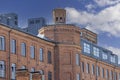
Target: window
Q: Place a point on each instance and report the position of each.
(32, 52)
(77, 59)
(87, 68)
(93, 69)
(41, 72)
(97, 71)
(112, 58)
(32, 69)
(77, 76)
(2, 69)
(13, 71)
(96, 51)
(13, 46)
(31, 22)
(119, 76)
(23, 49)
(49, 75)
(2, 43)
(107, 73)
(103, 73)
(49, 57)
(86, 48)
(37, 21)
(111, 75)
(41, 55)
(23, 67)
(115, 75)
(82, 66)
(104, 56)
(56, 18)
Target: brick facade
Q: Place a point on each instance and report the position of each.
(63, 43)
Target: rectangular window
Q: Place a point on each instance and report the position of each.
(49, 75)
(115, 75)
(77, 76)
(23, 49)
(104, 56)
(2, 43)
(107, 73)
(119, 76)
(93, 69)
(77, 59)
(103, 73)
(97, 71)
(13, 46)
(13, 71)
(111, 75)
(96, 51)
(49, 57)
(82, 66)
(112, 58)
(2, 69)
(87, 68)
(86, 48)
(41, 55)
(32, 52)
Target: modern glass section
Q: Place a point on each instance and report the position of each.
(32, 52)
(86, 48)
(2, 43)
(23, 49)
(41, 55)
(77, 59)
(2, 69)
(96, 51)
(13, 71)
(13, 46)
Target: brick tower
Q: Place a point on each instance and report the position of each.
(59, 16)
(67, 38)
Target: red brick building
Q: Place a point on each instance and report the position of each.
(59, 52)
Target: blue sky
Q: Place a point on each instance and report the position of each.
(100, 16)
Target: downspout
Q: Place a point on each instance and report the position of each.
(9, 55)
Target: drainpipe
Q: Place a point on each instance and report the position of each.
(9, 54)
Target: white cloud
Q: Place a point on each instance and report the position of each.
(90, 6)
(115, 51)
(106, 2)
(108, 20)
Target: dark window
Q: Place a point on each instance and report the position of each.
(16, 17)
(37, 21)
(82, 66)
(49, 75)
(56, 18)
(16, 23)
(8, 22)
(49, 57)
(31, 22)
(60, 18)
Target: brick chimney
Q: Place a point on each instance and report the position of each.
(36, 76)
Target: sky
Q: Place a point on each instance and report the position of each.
(99, 16)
